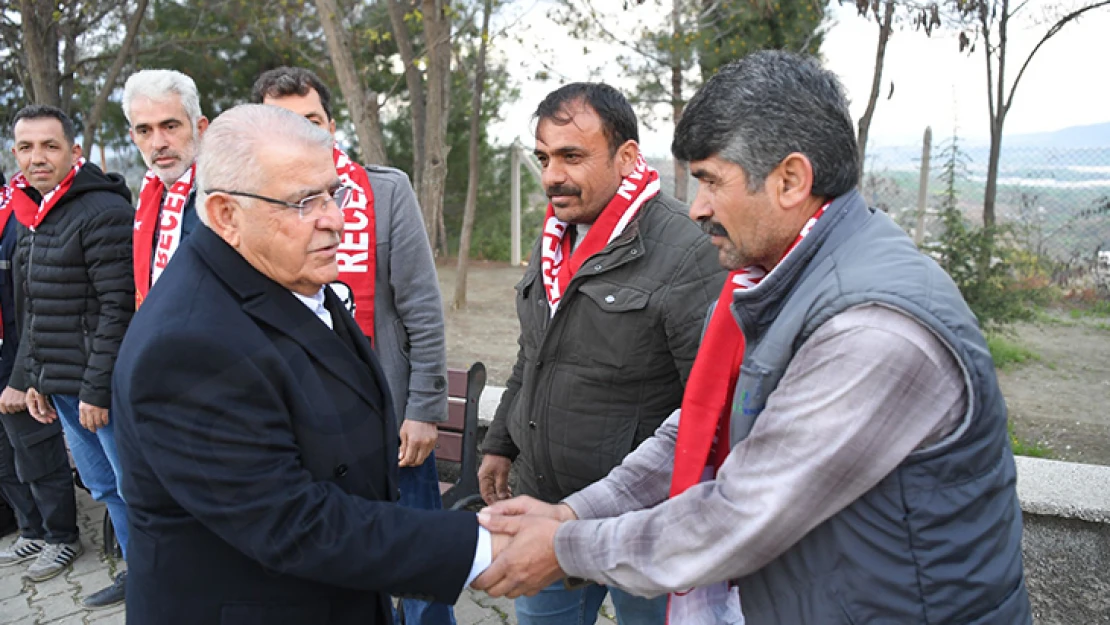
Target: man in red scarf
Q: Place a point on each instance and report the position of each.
(841, 454)
(76, 267)
(387, 281)
(610, 310)
(162, 108)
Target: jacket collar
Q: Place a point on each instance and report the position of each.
(272, 304)
(755, 309)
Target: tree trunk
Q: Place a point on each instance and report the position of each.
(92, 124)
(474, 172)
(437, 33)
(362, 103)
(415, 83)
(40, 45)
(876, 82)
(677, 102)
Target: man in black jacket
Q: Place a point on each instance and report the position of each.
(35, 476)
(80, 296)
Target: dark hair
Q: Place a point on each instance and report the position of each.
(41, 111)
(761, 108)
(618, 121)
(282, 82)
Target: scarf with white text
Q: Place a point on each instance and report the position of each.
(165, 218)
(357, 254)
(559, 263)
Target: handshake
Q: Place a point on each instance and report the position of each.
(523, 532)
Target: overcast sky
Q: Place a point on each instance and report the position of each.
(934, 84)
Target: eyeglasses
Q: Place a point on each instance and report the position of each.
(308, 207)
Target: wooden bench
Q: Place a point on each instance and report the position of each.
(458, 436)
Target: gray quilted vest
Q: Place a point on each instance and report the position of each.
(939, 539)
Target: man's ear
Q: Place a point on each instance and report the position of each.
(794, 180)
(76, 151)
(224, 218)
(627, 154)
(202, 125)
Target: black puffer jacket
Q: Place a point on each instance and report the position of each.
(79, 289)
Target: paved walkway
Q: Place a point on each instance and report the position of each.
(58, 601)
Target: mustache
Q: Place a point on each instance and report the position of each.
(164, 153)
(562, 189)
(712, 228)
(333, 239)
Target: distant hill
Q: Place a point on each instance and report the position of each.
(1092, 136)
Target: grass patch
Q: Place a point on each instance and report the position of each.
(1025, 448)
(1098, 308)
(1007, 354)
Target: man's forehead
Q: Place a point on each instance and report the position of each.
(145, 110)
(39, 129)
(575, 123)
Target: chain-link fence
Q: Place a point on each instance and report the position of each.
(1054, 202)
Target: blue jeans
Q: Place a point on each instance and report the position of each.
(420, 489)
(96, 460)
(556, 605)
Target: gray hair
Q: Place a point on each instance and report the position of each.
(158, 84)
(759, 109)
(229, 150)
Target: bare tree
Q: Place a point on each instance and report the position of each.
(437, 33)
(361, 101)
(414, 80)
(885, 23)
(41, 48)
(993, 23)
(474, 167)
(92, 124)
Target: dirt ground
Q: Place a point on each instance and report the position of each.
(1060, 401)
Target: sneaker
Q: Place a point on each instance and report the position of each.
(107, 597)
(22, 550)
(53, 560)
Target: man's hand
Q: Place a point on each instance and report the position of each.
(12, 401)
(93, 417)
(528, 564)
(39, 407)
(493, 478)
(418, 439)
(525, 505)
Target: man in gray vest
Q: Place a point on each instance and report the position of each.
(867, 475)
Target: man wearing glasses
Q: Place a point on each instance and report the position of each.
(258, 446)
(387, 280)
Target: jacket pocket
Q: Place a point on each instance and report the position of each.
(614, 328)
(310, 613)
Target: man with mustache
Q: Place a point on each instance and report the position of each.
(841, 455)
(76, 266)
(388, 277)
(162, 108)
(256, 432)
(610, 308)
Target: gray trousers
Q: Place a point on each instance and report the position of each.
(36, 480)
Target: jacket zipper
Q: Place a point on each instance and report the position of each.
(28, 332)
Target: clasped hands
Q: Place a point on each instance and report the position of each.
(523, 531)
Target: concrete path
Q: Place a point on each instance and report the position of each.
(58, 601)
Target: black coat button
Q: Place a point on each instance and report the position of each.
(539, 364)
(341, 470)
(532, 424)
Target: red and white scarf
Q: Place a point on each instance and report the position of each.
(165, 218)
(357, 254)
(6, 209)
(31, 213)
(559, 263)
(703, 430)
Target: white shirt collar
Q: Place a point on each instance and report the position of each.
(315, 303)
